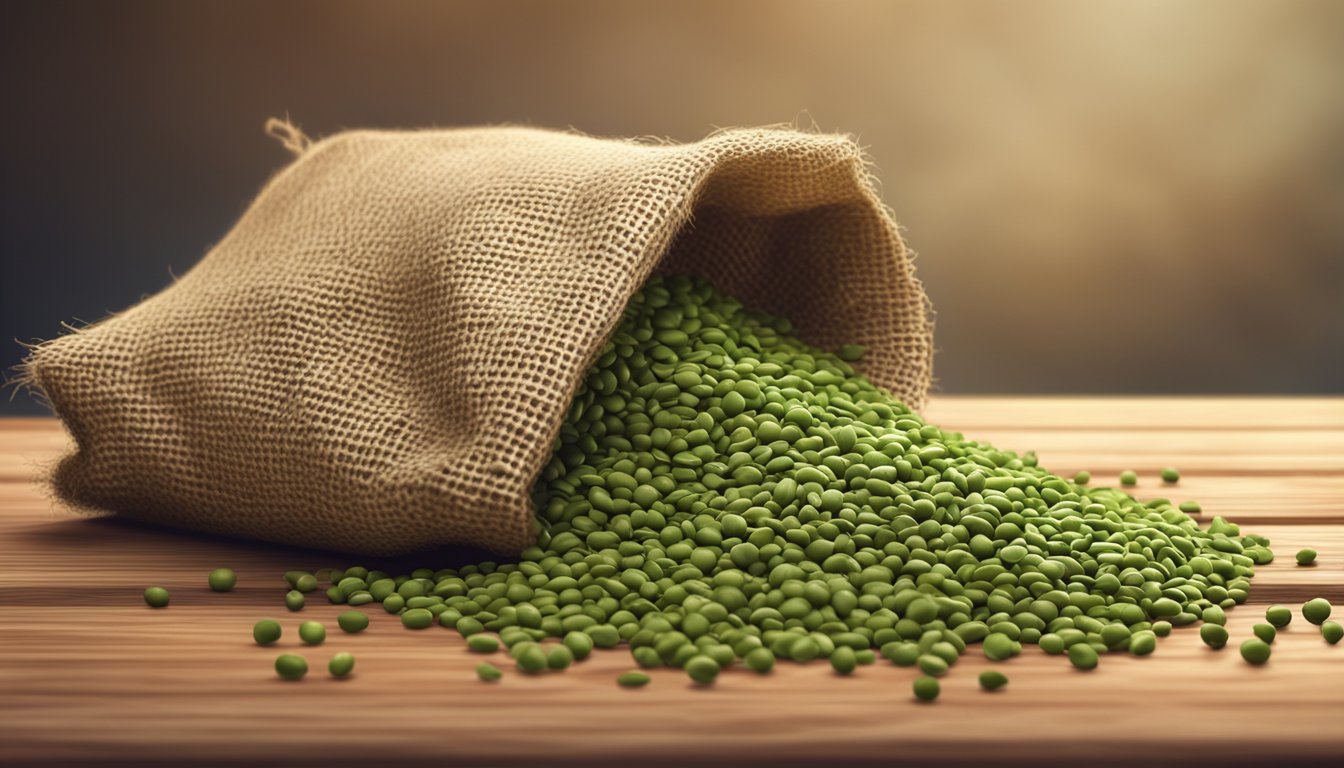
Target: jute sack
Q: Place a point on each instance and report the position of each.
(378, 356)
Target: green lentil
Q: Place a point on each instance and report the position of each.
(1255, 651)
(1332, 631)
(266, 632)
(1129, 477)
(1143, 643)
(531, 658)
(488, 673)
(483, 643)
(294, 600)
(291, 667)
(1306, 557)
(992, 680)
(1191, 507)
(843, 660)
(1171, 475)
(999, 646)
(222, 580)
(632, 679)
(1083, 656)
(559, 657)
(1265, 632)
(1279, 615)
(1316, 610)
(579, 644)
(156, 597)
(353, 621)
(702, 669)
(341, 665)
(926, 688)
(417, 618)
(760, 660)
(1161, 628)
(1213, 635)
(312, 632)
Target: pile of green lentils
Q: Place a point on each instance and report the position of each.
(723, 494)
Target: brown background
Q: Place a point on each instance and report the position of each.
(1107, 197)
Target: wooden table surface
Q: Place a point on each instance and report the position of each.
(90, 675)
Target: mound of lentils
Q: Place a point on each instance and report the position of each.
(722, 493)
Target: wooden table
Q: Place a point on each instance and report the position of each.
(89, 674)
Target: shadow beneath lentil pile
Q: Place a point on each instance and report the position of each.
(115, 541)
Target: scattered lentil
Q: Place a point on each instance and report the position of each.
(632, 679)
(294, 600)
(993, 680)
(156, 597)
(353, 621)
(1213, 635)
(312, 632)
(341, 665)
(926, 688)
(291, 667)
(222, 580)
(1316, 610)
(1278, 615)
(266, 632)
(1332, 631)
(1255, 651)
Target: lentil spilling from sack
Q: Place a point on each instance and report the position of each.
(723, 493)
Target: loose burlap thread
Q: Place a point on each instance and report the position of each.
(377, 357)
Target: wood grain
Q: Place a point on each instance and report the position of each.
(92, 676)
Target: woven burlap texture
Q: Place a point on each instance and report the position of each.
(378, 356)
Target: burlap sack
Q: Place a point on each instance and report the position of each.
(377, 358)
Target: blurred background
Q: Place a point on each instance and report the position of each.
(1107, 197)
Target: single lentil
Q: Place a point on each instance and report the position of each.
(1083, 656)
(1255, 651)
(483, 643)
(1316, 610)
(993, 680)
(1332, 631)
(417, 618)
(1278, 615)
(353, 621)
(1213, 635)
(222, 580)
(266, 632)
(702, 669)
(1171, 475)
(1129, 477)
(1082, 478)
(632, 679)
(291, 667)
(312, 632)
(294, 600)
(341, 665)
(488, 672)
(926, 688)
(1306, 557)
(1265, 632)
(156, 597)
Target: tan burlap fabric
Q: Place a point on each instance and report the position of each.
(377, 358)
